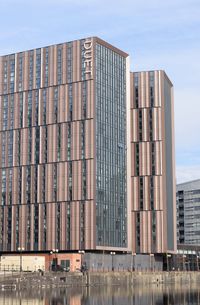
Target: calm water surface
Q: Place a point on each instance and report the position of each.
(154, 295)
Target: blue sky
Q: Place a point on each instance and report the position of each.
(157, 35)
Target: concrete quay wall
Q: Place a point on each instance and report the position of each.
(141, 278)
(48, 280)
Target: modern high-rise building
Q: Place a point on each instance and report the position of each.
(188, 212)
(152, 163)
(64, 147)
(86, 152)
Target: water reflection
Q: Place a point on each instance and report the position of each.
(154, 295)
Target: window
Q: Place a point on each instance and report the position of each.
(70, 180)
(31, 59)
(82, 139)
(69, 62)
(68, 141)
(59, 65)
(20, 72)
(151, 82)
(84, 99)
(38, 68)
(55, 104)
(3, 187)
(12, 73)
(46, 82)
(70, 98)
(29, 114)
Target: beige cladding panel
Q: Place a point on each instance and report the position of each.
(75, 225)
(144, 157)
(55, 65)
(62, 104)
(89, 139)
(65, 104)
(90, 100)
(5, 216)
(23, 226)
(157, 89)
(49, 106)
(63, 142)
(79, 180)
(32, 145)
(42, 70)
(133, 158)
(13, 239)
(133, 224)
(23, 185)
(74, 61)
(32, 189)
(134, 124)
(51, 141)
(40, 227)
(74, 180)
(40, 109)
(15, 185)
(54, 143)
(135, 193)
(141, 91)
(157, 157)
(39, 190)
(49, 182)
(49, 225)
(159, 232)
(145, 125)
(147, 89)
(79, 101)
(75, 140)
(61, 182)
(157, 128)
(66, 182)
(89, 225)
(146, 205)
(42, 147)
(53, 225)
(90, 179)
(63, 226)
(132, 91)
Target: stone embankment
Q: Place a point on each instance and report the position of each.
(24, 280)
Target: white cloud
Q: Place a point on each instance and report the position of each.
(187, 173)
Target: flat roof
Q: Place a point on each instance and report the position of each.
(97, 39)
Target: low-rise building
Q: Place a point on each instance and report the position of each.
(188, 212)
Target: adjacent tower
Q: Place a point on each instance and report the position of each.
(152, 163)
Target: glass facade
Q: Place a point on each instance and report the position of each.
(111, 200)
